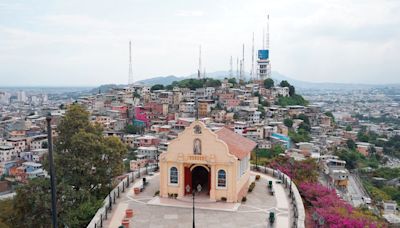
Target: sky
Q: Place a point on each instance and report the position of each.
(85, 43)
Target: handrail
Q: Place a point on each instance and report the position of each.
(104, 211)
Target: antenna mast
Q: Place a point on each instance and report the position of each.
(237, 68)
(130, 74)
(199, 70)
(252, 60)
(231, 69)
(267, 40)
(242, 66)
(263, 41)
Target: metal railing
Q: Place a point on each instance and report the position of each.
(294, 195)
(104, 212)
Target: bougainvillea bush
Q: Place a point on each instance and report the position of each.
(326, 206)
(299, 171)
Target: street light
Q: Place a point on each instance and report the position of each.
(193, 194)
(257, 154)
(52, 173)
(109, 195)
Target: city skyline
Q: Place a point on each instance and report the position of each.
(75, 44)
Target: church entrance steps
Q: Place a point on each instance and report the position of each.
(187, 203)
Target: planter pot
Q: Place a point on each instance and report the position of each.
(129, 213)
(125, 223)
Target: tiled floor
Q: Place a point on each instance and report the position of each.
(170, 213)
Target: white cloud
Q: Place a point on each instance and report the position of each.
(189, 13)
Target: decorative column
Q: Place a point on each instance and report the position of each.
(181, 191)
(212, 185)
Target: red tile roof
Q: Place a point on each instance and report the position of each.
(238, 145)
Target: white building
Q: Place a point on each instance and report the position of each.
(150, 152)
(240, 127)
(7, 153)
(5, 98)
(37, 142)
(187, 107)
(21, 96)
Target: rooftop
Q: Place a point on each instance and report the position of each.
(237, 144)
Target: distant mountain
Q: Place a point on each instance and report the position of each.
(166, 80)
(104, 88)
(275, 75)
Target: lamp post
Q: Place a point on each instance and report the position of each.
(193, 194)
(109, 195)
(52, 173)
(257, 153)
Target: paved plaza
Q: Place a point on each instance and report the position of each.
(154, 212)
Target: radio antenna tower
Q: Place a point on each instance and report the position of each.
(237, 68)
(263, 41)
(199, 70)
(130, 74)
(230, 69)
(267, 39)
(269, 51)
(252, 60)
(242, 68)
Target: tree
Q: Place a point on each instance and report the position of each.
(288, 122)
(304, 118)
(157, 87)
(169, 87)
(362, 135)
(349, 128)
(284, 83)
(269, 83)
(300, 136)
(136, 95)
(330, 115)
(132, 129)
(351, 144)
(295, 99)
(304, 126)
(292, 91)
(262, 110)
(232, 81)
(85, 162)
(210, 82)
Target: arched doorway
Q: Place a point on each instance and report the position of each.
(200, 175)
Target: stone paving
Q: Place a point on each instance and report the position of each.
(253, 213)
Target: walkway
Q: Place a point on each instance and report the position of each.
(178, 213)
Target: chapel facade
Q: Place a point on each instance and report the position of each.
(217, 161)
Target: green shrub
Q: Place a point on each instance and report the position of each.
(252, 185)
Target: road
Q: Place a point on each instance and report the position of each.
(355, 191)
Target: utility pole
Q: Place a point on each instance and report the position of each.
(52, 173)
(130, 74)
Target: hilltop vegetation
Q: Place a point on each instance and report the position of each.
(292, 99)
